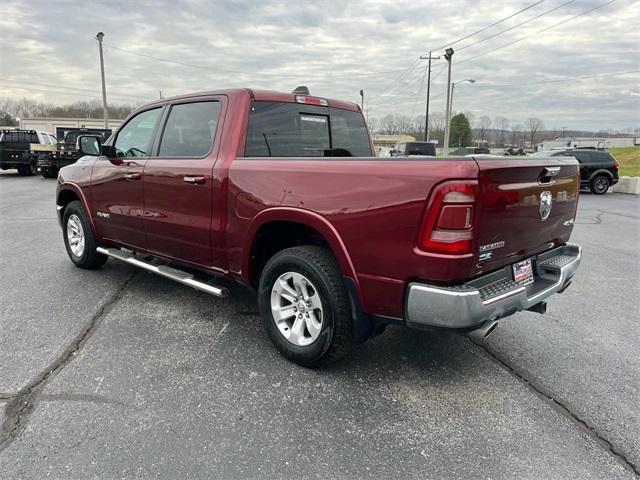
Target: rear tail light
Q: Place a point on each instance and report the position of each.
(617, 165)
(448, 226)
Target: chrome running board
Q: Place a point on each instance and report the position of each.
(165, 271)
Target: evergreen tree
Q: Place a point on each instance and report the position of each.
(460, 131)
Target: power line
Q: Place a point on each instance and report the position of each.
(392, 85)
(65, 87)
(537, 32)
(215, 69)
(515, 26)
(558, 80)
(60, 92)
(407, 78)
(392, 93)
(406, 93)
(417, 96)
(489, 26)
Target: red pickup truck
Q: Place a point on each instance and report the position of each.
(281, 193)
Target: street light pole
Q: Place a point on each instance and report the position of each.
(426, 116)
(453, 84)
(99, 37)
(447, 56)
(362, 100)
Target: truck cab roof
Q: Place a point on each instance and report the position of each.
(261, 95)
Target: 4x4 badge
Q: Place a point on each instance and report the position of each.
(546, 200)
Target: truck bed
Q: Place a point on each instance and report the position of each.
(377, 205)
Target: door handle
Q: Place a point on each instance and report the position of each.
(133, 176)
(198, 180)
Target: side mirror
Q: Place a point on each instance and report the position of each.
(89, 145)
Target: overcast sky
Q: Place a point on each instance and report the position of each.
(48, 53)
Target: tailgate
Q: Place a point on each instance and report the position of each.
(526, 206)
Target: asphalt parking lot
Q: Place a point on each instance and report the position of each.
(117, 373)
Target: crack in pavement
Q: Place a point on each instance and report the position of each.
(22, 404)
(597, 219)
(560, 407)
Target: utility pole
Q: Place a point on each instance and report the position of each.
(426, 116)
(448, 53)
(99, 37)
(362, 100)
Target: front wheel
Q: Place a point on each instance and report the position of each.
(305, 306)
(600, 185)
(79, 239)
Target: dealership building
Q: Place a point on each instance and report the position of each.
(589, 142)
(52, 124)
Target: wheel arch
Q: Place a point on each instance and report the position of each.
(309, 223)
(600, 172)
(68, 193)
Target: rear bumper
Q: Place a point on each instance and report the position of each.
(491, 296)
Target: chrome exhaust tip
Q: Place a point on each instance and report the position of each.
(484, 331)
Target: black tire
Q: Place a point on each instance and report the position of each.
(599, 184)
(50, 172)
(319, 266)
(89, 259)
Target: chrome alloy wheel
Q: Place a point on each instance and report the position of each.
(296, 308)
(75, 235)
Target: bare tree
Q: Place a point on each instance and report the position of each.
(533, 125)
(25, 108)
(373, 124)
(470, 116)
(516, 135)
(436, 126)
(484, 123)
(502, 125)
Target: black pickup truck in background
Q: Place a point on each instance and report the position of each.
(16, 149)
(67, 151)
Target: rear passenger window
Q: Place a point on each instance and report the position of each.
(349, 135)
(190, 130)
(279, 129)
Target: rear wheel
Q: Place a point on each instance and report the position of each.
(305, 306)
(49, 172)
(28, 170)
(600, 185)
(79, 239)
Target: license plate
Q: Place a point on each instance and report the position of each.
(523, 272)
